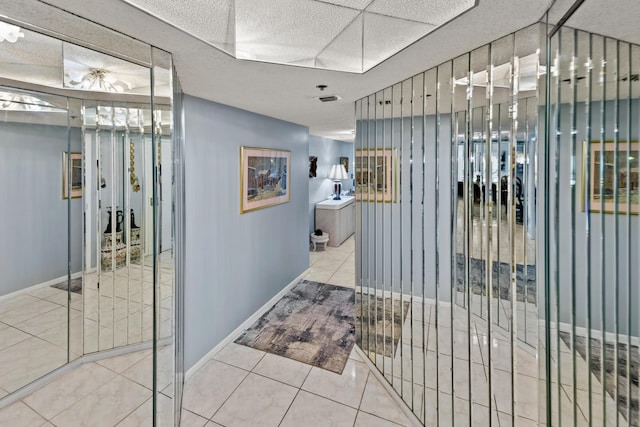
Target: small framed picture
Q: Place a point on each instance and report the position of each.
(71, 168)
(264, 178)
(618, 189)
(375, 171)
(344, 161)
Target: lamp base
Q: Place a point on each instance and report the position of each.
(337, 189)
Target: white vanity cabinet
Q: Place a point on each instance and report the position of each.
(336, 217)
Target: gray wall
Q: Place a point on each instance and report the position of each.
(235, 263)
(33, 217)
(328, 152)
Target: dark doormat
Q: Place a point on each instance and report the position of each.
(75, 287)
(379, 323)
(313, 323)
(610, 368)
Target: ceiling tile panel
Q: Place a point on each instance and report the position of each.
(287, 31)
(345, 52)
(209, 20)
(384, 36)
(435, 12)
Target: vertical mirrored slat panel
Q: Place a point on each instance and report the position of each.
(444, 341)
(386, 233)
(462, 309)
(456, 268)
(377, 249)
(624, 166)
(416, 318)
(41, 228)
(633, 271)
(358, 221)
(430, 274)
(164, 307)
(371, 304)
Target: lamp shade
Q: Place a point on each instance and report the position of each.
(338, 172)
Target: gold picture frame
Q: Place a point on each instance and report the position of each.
(344, 161)
(628, 174)
(74, 162)
(265, 178)
(377, 183)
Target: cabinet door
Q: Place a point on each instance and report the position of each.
(347, 224)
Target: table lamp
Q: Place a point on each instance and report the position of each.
(337, 173)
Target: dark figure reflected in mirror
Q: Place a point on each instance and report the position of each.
(313, 166)
(133, 220)
(504, 192)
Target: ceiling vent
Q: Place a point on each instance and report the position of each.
(329, 98)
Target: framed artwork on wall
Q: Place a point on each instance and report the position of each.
(344, 161)
(313, 166)
(264, 178)
(375, 174)
(73, 169)
(604, 193)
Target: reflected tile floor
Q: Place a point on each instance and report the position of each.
(239, 386)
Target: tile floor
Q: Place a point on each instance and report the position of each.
(34, 324)
(238, 386)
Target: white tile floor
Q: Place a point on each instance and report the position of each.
(239, 386)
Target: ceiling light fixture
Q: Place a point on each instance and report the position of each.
(10, 33)
(98, 79)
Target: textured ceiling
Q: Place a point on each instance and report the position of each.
(284, 92)
(336, 35)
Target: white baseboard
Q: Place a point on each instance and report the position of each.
(40, 285)
(236, 332)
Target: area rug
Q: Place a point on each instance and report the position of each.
(76, 285)
(610, 371)
(526, 289)
(379, 327)
(313, 323)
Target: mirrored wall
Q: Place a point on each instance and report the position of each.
(88, 252)
(593, 259)
(446, 237)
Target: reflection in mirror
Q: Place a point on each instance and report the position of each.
(87, 232)
(454, 254)
(41, 234)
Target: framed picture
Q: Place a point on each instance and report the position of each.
(603, 199)
(264, 177)
(75, 173)
(313, 166)
(375, 172)
(344, 161)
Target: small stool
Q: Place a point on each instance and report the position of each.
(319, 239)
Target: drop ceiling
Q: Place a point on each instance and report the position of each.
(341, 35)
(282, 91)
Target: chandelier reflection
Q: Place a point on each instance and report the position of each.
(98, 79)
